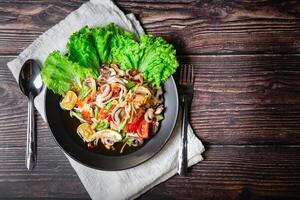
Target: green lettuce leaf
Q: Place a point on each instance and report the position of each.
(101, 38)
(115, 44)
(81, 48)
(60, 74)
(158, 59)
(88, 48)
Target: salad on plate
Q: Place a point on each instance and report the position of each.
(111, 80)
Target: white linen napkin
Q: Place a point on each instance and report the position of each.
(124, 184)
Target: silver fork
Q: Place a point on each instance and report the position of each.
(186, 83)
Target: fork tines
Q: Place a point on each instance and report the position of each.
(186, 75)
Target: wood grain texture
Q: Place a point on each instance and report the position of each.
(228, 172)
(206, 27)
(231, 172)
(221, 26)
(52, 177)
(249, 99)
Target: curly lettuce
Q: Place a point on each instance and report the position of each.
(153, 56)
(158, 59)
(81, 48)
(115, 44)
(89, 48)
(60, 74)
(101, 39)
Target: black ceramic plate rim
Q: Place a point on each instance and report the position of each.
(176, 107)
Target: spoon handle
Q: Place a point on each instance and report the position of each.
(31, 137)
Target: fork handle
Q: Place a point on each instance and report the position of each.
(182, 156)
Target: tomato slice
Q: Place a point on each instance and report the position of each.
(133, 127)
(89, 99)
(79, 102)
(143, 129)
(102, 115)
(86, 115)
(109, 118)
(139, 116)
(115, 91)
(136, 123)
(129, 128)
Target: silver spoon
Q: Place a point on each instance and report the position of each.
(31, 85)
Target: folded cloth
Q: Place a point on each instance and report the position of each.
(124, 184)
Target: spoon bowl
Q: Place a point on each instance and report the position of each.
(29, 79)
(31, 84)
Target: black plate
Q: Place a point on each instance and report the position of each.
(70, 142)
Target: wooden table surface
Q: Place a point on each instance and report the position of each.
(246, 106)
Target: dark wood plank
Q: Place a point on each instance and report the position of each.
(52, 177)
(206, 27)
(228, 172)
(222, 26)
(247, 99)
(231, 172)
(238, 100)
